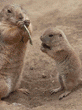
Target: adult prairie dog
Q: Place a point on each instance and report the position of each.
(56, 45)
(13, 43)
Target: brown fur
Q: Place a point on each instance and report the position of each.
(13, 44)
(56, 45)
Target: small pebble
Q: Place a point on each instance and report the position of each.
(16, 104)
(31, 68)
(44, 76)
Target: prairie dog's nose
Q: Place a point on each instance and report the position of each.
(20, 16)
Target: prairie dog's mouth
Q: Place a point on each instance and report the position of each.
(46, 46)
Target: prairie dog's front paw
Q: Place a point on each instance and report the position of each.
(20, 24)
(27, 22)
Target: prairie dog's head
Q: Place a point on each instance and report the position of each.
(13, 14)
(53, 40)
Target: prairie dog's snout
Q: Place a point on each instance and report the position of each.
(21, 16)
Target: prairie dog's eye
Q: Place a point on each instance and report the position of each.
(60, 35)
(51, 35)
(9, 11)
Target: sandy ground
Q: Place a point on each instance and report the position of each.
(66, 15)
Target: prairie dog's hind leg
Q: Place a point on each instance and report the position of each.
(60, 88)
(69, 85)
(23, 90)
(18, 89)
(4, 89)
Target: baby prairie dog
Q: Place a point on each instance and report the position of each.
(56, 45)
(13, 44)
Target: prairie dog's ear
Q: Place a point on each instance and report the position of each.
(22, 8)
